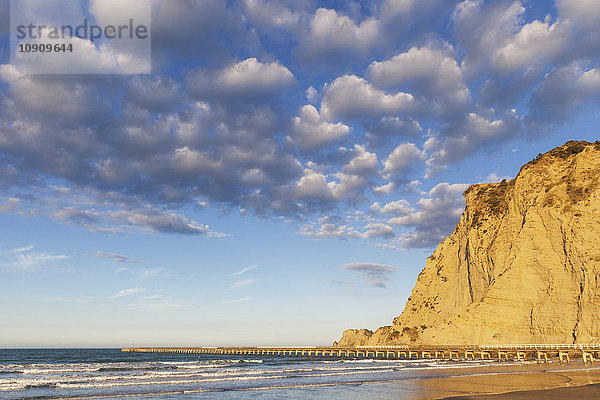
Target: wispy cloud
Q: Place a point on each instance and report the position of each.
(23, 249)
(338, 282)
(118, 257)
(28, 261)
(143, 273)
(375, 274)
(145, 219)
(128, 292)
(242, 300)
(240, 283)
(243, 271)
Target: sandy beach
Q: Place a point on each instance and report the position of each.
(530, 381)
(587, 392)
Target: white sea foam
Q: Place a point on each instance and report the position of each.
(131, 377)
(176, 377)
(123, 366)
(82, 382)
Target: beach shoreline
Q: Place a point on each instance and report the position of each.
(586, 392)
(530, 381)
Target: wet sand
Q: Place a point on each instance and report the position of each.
(587, 392)
(530, 381)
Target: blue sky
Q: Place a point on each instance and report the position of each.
(283, 173)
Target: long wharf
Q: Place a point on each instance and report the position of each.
(502, 353)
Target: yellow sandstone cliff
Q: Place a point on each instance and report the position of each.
(522, 265)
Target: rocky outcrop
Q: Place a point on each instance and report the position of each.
(354, 337)
(522, 265)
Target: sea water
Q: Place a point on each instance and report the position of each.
(112, 374)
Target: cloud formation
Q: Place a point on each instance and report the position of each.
(9, 205)
(310, 131)
(352, 97)
(244, 270)
(375, 275)
(309, 113)
(435, 217)
(333, 37)
(244, 282)
(433, 74)
(26, 259)
(29, 261)
(128, 292)
(250, 76)
(118, 257)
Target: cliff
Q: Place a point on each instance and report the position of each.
(522, 265)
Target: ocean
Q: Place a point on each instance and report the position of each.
(112, 374)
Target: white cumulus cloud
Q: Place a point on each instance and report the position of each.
(350, 96)
(250, 76)
(311, 131)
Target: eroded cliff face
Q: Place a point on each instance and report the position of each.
(522, 265)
